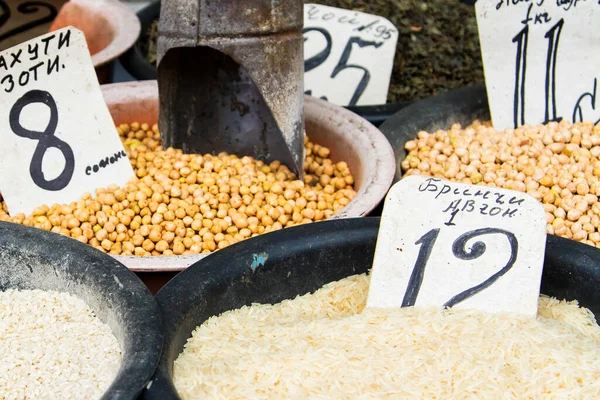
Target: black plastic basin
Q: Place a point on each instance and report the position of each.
(299, 260)
(31, 258)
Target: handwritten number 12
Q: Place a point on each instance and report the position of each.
(521, 39)
(427, 241)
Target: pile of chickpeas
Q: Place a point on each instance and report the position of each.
(557, 163)
(190, 204)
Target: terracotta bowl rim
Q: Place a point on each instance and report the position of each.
(124, 23)
(360, 206)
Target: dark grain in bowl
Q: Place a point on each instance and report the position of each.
(437, 48)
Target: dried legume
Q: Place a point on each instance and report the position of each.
(189, 203)
(557, 163)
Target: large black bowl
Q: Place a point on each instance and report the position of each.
(299, 260)
(31, 258)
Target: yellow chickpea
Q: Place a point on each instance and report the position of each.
(179, 200)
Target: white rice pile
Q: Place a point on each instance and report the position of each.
(324, 346)
(52, 346)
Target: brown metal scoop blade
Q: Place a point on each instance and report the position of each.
(234, 83)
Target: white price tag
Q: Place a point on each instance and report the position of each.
(348, 55)
(450, 244)
(58, 138)
(540, 59)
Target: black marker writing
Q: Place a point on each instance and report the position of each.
(49, 66)
(455, 206)
(453, 215)
(520, 69)
(46, 140)
(319, 58)
(439, 188)
(416, 278)
(427, 242)
(477, 250)
(9, 81)
(553, 36)
(578, 111)
(105, 162)
(471, 205)
(519, 100)
(343, 64)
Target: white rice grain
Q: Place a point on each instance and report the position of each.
(52, 346)
(326, 346)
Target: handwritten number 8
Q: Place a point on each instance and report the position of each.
(46, 140)
(459, 250)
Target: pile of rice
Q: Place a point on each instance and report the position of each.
(325, 346)
(52, 346)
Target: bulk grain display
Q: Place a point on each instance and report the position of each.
(557, 163)
(190, 204)
(437, 50)
(74, 322)
(327, 344)
(294, 325)
(53, 346)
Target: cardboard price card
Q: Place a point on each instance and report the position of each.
(58, 138)
(348, 55)
(448, 244)
(540, 59)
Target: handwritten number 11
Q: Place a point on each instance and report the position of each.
(521, 39)
(427, 241)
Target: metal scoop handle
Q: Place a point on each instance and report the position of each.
(230, 77)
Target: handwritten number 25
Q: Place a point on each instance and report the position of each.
(427, 241)
(318, 59)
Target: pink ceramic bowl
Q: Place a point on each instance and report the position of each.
(349, 137)
(110, 29)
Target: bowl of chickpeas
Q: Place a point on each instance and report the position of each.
(181, 207)
(450, 136)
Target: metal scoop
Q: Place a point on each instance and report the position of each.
(230, 78)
